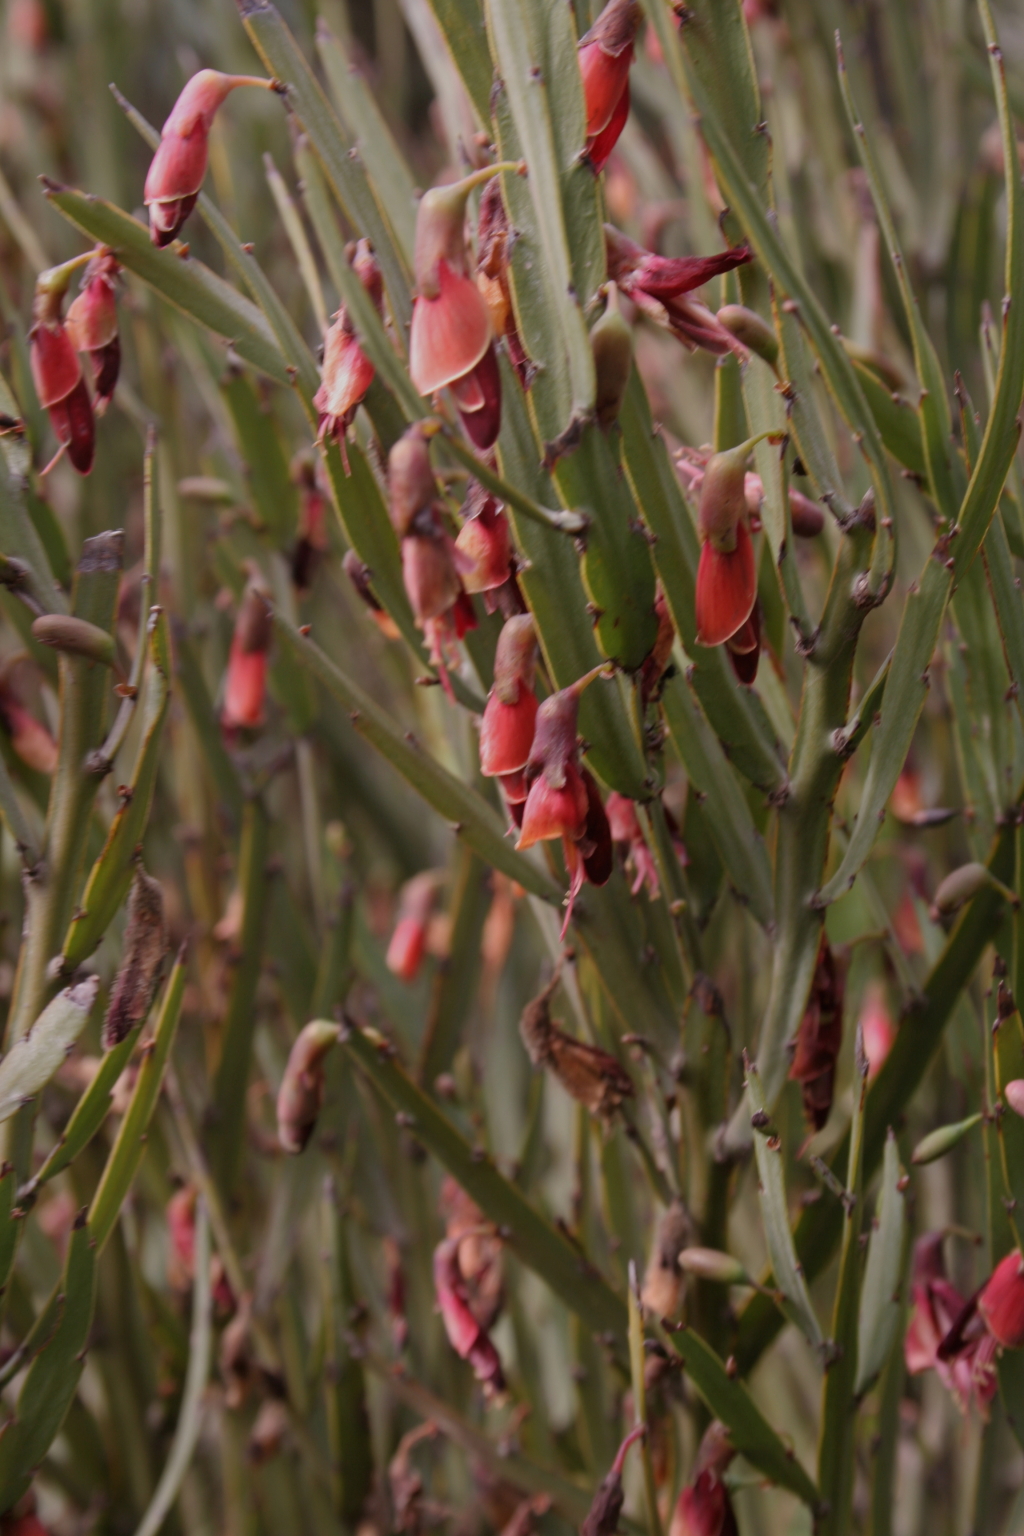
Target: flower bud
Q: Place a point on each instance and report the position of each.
(611, 342)
(142, 957)
(807, 517)
(664, 1283)
(416, 903)
(301, 1094)
(177, 170)
(711, 1264)
(411, 482)
(484, 542)
(509, 720)
(877, 1028)
(246, 681)
(1001, 1302)
(57, 374)
(92, 324)
(605, 55)
(727, 575)
(747, 326)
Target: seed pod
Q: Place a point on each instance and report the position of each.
(711, 1264)
(301, 1094)
(942, 1140)
(145, 945)
(663, 1282)
(589, 1075)
(611, 342)
(75, 637)
(747, 326)
(958, 887)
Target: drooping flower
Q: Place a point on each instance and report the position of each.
(57, 372)
(510, 715)
(451, 344)
(465, 1334)
(430, 560)
(177, 170)
(820, 1037)
(91, 324)
(347, 373)
(558, 803)
(416, 902)
(484, 541)
(180, 1215)
(603, 1515)
(626, 828)
(480, 1252)
(944, 1333)
(727, 573)
(704, 1507)
(660, 287)
(245, 684)
(605, 55)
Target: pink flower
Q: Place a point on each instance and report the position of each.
(58, 378)
(704, 1507)
(484, 541)
(944, 1334)
(469, 1340)
(877, 1028)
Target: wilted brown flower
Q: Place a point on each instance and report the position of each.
(145, 945)
(589, 1075)
(819, 1037)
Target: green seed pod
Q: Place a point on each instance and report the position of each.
(747, 326)
(75, 637)
(711, 1264)
(942, 1140)
(958, 888)
(611, 341)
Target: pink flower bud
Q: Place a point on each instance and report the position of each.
(605, 55)
(246, 681)
(1001, 1303)
(603, 1516)
(1013, 1093)
(416, 903)
(877, 1029)
(177, 170)
(484, 542)
(92, 324)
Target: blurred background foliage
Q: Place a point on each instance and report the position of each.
(290, 899)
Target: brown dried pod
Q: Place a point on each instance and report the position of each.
(301, 1094)
(664, 1282)
(819, 1037)
(145, 945)
(589, 1075)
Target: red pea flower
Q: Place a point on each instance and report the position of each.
(57, 371)
(625, 828)
(945, 1333)
(92, 324)
(605, 55)
(659, 286)
(704, 1507)
(484, 541)
(559, 802)
(510, 715)
(451, 344)
(727, 573)
(466, 1336)
(347, 373)
(177, 170)
(245, 685)
(416, 902)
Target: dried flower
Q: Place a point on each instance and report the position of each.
(311, 541)
(603, 1515)
(589, 1075)
(245, 684)
(360, 575)
(347, 373)
(91, 324)
(819, 1037)
(466, 1336)
(451, 343)
(660, 286)
(704, 1507)
(416, 903)
(177, 170)
(605, 55)
(744, 647)
(181, 1229)
(268, 1431)
(657, 661)
(664, 1281)
(142, 956)
(510, 715)
(301, 1094)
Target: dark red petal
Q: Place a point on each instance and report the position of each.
(665, 277)
(598, 859)
(82, 427)
(600, 147)
(484, 423)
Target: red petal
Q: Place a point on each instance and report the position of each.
(245, 687)
(450, 334)
(605, 79)
(665, 277)
(506, 734)
(405, 952)
(551, 813)
(77, 414)
(177, 169)
(483, 422)
(55, 365)
(600, 147)
(726, 589)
